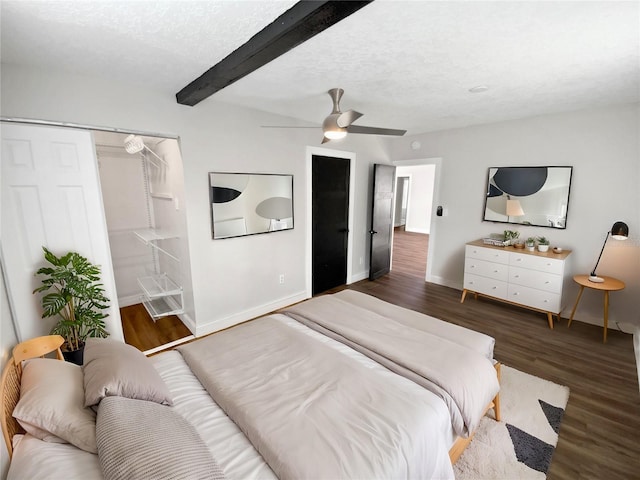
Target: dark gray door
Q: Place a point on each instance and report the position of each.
(381, 220)
(330, 221)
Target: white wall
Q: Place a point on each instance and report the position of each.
(602, 145)
(233, 279)
(420, 196)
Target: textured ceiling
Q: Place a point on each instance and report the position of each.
(404, 64)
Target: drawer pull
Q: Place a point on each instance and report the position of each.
(546, 301)
(495, 271)
(516, 294)
(518, 259)
(548, 264)
(470, 283)
(516, 276)
(547, 282)
(493, 288)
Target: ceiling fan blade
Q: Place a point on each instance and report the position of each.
(375, 130)
(285, 126)
(347, 118)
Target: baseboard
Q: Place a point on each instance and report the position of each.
(444, 282)
(222, 323)
(358, 276)
(129, 300)
(417, 230)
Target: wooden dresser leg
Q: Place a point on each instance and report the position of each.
(464, 294)
(550, 320)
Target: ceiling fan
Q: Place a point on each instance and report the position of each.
(338, 123)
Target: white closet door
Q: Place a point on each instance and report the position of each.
(50, 197)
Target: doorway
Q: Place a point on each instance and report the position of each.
(416, 183)
(143, 201)
(330, 219)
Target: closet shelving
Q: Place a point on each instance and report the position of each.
(151, 237)
(161, 296)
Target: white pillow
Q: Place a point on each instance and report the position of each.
(51, 405)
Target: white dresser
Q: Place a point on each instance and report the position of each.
(533, 280)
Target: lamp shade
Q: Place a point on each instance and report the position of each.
(620, 231)
(514, 209)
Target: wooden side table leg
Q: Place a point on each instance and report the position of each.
(606, 315)
(573, 312)
(464, 294)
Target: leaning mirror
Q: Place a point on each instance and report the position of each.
(537, 196)
(250, 203)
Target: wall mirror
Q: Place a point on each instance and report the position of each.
(537, 196)
(250, 203)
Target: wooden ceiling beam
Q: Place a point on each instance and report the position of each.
(295, 26)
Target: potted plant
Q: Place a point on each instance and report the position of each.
(76, 296)
(531, 244)
(510, 236)
(543, 244)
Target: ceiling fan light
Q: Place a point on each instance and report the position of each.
(336, 134)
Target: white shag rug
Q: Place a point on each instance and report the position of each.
(521, 445)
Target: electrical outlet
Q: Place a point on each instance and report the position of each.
(281, 278)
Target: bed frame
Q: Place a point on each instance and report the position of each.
(11, 375)
(39, 347)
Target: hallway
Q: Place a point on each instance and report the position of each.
(410, 252)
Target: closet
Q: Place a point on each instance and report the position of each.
(142, 187)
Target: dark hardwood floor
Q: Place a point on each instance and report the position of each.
(410, 252)
(601, 425)
(145, 334)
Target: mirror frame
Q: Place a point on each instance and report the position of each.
(231, 190)
(528, 190)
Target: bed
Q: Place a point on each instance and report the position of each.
(387, 427)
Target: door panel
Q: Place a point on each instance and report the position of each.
(330, 221)
(50, 197)
(381, 220)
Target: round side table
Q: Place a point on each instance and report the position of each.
(610, 284)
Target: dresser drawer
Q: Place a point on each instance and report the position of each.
(497, 271)
(487, 286)
(535, 298)
(543, 264)
(548, 282)
(487, 254)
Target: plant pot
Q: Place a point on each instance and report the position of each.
(74, 356)
(543, 248)
(531, 248)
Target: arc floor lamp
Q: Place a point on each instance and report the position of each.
(619, 231)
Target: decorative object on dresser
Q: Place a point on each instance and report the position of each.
(607, 284)
(532, 280)
(531, 244)
(76, 297)
(543, 244)
(619, 231)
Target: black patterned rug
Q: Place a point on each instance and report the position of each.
(521, 445)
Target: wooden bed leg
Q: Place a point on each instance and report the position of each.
(496, 401)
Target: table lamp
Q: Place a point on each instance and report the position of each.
(619, 231)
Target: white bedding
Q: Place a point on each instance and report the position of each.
(234, 453)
